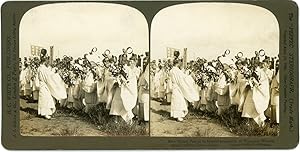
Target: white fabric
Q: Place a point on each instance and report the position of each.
(144, 93)
(261, 94)
(275, 95)
(54, 83)
(257, 99)
(242, 91)
(35, 83)
(181, 90)
(125, 97)
(89, 84)
(221, 86)
(159, 83)
(109, 91)
(100, 85)
(25, 81)
(48, 88)
(129, 90)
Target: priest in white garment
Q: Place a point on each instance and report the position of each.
(257, 99)
(275, 99)
(125, 96)
(50, 86)
(144, 95)
(181, 91)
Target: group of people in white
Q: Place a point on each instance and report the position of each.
(121, 84)
(251, 85)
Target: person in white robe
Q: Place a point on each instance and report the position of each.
(270, 75)
(211, 97)
(137, 73)
(90, 92)
(100, 85)
(168, 89)
(181, 92)
(50, 86)
(35, 87)
(77, 92)
(26, 82)
(221, 88)
(152, 79)
(203, 99)
(160, 86)
(70, 101)
(58, 76)
(109, 83)
(143, 96)
(241, 89)
(78, 95)
(125, 96)
(275, 99)
(22, 81)
(257, 99)
(233, 89)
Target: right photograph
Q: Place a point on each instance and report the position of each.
(214, 71)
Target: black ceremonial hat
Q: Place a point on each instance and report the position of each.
(43, 52)
(176, 54)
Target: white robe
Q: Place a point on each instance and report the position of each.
(159, 82)
(100, 85)
(275, 96)
(125, 97)
(25, 82)
(257, 99)
(78, 95)
(223, 99)
(144, 94)
(50, 85)
(168, 88)
(241, 91)
(90, 92)
(152, 86)
(109, 90)
(137, 73)
(234, 91)
(35, 87)
(181, 91)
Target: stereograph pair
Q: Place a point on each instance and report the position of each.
(191, 70)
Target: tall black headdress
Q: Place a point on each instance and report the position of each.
(176, 54)
(43, 55)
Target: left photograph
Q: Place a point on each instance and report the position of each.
(84, 70)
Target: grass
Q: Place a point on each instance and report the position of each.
(232, 120)
(67, 132)
(202, 133)
(26, 115)
(99, 116)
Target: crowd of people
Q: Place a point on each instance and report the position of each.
(121, 83)
(248, 84)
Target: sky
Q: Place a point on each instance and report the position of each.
(208, 29)
(75, 28)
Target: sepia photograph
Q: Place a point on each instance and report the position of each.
(214, 71)
(84, 70)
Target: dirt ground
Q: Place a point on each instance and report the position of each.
(61, 125)
(193, 126)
